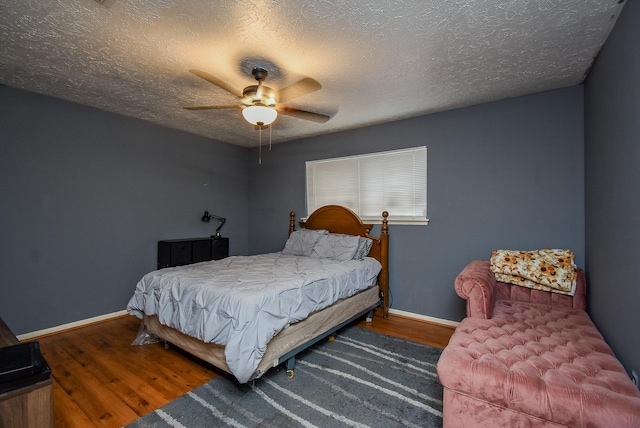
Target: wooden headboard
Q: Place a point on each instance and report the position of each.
(338, 219)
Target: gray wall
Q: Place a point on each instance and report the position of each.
(508, 174)
(612, 182)
(85, 196)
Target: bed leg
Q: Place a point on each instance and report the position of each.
(166, 345)
(370, 316)
(291, 363)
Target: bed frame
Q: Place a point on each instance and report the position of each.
(285, 345)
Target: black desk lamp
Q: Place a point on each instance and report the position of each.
(207, 218)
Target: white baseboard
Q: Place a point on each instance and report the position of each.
(70, 325)
(105, 317)
(424, 318)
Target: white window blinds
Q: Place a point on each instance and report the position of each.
(394, 181)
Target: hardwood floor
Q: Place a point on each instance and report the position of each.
(101, 380)
(436, 335)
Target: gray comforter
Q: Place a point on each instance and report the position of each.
(242, 302)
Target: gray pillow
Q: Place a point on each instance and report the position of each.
(301, 242)
(364, 246)
(336, 246)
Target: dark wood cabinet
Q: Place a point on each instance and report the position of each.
(30, 405)
(178, 252)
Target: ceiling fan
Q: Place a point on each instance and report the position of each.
(261, 104)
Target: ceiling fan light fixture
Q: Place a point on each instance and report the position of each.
(260, 104)
(259, 115)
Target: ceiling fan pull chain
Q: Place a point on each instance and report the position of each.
(260, 146)
(270, 126)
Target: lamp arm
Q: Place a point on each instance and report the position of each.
(222, 220)
(207, 218)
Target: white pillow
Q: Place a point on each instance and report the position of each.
(336, 247)
(301, 242)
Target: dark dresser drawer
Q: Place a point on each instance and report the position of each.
(180, 253)
(219, 248)
(201, 250)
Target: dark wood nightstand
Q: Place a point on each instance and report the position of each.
(178, 252)
(27, 406)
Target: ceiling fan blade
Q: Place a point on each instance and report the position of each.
(212, 107)
(298, 89)
(219, 83)
(302, 114)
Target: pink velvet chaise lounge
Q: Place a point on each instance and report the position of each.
(531, 358)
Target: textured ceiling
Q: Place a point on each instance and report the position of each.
(377, 60)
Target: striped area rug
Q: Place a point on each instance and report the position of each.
(361, 379)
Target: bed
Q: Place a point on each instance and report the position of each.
(287, 300)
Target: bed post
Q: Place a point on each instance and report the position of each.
(292, 222)
(384, 255)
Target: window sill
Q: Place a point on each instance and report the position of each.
(398, 221)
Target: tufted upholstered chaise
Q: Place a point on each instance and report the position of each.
(531, 358)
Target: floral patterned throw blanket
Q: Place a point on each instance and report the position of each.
(549, 270)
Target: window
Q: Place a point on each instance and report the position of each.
(394, 181)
